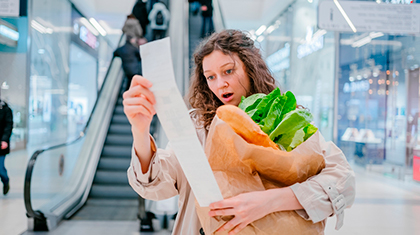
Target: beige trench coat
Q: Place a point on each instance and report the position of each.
(321, 196)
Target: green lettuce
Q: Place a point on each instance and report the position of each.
(278, 116)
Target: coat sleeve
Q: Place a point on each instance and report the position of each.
(161, 180)
(164, 178)
(329, 192)
(8, 125)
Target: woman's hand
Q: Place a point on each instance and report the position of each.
(245, 208)
(138, 104)
(248, 207)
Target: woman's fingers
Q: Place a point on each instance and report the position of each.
(233, 226)
(139, 90)
(238, 228)
(139, 80)
(138, 109)
(226, 203)
(222, 212)
(138, 101)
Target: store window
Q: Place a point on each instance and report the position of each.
(65, 76)
(302, 58)
(49, 69)
(379, 100)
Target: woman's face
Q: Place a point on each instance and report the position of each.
(226, 77)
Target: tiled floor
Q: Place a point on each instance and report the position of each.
(383, 206)
(98, 227)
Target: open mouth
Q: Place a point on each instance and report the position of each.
(227, 95)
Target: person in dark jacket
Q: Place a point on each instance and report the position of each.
(141, 13)
(6, 126)
(207, 13)
(130, 57)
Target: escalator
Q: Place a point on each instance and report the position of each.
(93, 185)
(85, 179)
(111, 197)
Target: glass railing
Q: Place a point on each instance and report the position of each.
(58, 178)
(218, 19)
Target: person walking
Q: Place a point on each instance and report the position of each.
(130, 57)
(6, 126)
(207, 14)
(159, 20)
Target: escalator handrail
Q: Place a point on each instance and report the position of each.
(217, 7)
(31, 163)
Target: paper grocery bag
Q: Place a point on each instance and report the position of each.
(240, 167)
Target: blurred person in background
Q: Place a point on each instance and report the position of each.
(207, 14)
(159, 18)
(132, 27)
(6, 126)
(130, 57)
(194, 6)
(140, 12)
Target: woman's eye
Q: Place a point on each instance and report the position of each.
(210, 77)
(229, 71)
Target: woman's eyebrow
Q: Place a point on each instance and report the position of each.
(228, 63)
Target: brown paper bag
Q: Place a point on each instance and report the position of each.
(240, 167)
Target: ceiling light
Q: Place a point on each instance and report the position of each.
(260, 38)
(41, 28)
(345, 16)
(97, 26)
(319, 33)
(361, 42)
(375, 35)
(9, 33)
(89, 26)
(261, 30)
(271, 29)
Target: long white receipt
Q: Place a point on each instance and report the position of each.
(173, 115)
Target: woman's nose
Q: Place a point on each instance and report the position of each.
(222, 83)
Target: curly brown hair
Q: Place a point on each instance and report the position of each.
(200, 97)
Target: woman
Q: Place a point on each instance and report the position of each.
(227, 67)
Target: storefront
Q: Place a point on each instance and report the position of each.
(52, 75)
(379, 100)
(362, 88)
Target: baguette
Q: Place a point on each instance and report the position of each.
(244, 126)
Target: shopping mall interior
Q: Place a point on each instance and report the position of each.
(353, 64)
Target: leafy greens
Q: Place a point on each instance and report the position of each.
(278, 116)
